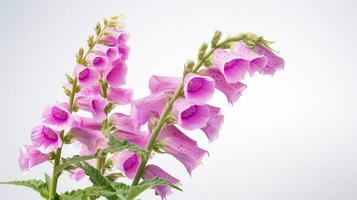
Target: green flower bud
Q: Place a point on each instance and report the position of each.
(216, 37)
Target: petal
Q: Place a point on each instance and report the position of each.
(163, 83)
(87, 123)
(274, 63)
(116, 76)
(99, 62)
(30, 156)
(138, 138)
(92, 139)
(46, 139)
(57, 116)
(93, 104)
(214, 124)
(198, 89)
(110, 52)
(127, 162)
(124, 122)
(173, 131)
(77, 174)
(120, 96)
(86, 76)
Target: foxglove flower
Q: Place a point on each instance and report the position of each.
(94, 105)
(86, 123)
(123, 122)
(86, 76)
(231, 90)
(30, 156)
(92, 139)
(127, 162)
(57, 116)
(110, 52)
(110, 40)
(163, 83)
(152, 172)
(46, 139)
(198, 89)
(116, 75)
(256, 62)
(214, 123)
(77, 174)
(189, 115)
(120, 96)
(123, 51)
(274, 62)
(232, 66)
(99, 62)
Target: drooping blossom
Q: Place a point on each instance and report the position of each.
(57, 116)
(152, 172)
(274, 63)
(120, 96)
(92, 139)
(189, 115)
(231, 90)
(77, 174)
(256, 62)
(198, 89)
(214, 123)
(117, 73)
(123, 51)
(86, 76)
(86, 123)
(99, 62)
(46, 139)
(30, 156)
(124, 122)
(163, 83)
(232, 66)
(127, 162)
(93, 104)
(110, 52)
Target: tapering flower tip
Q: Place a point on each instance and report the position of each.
(141, 108)
(124, 122)
(127, 162)
(163, 83)
(274, 63)
(123, 51)
(198, 89)
(87, 123)
(95, 105)
(120, 96)
(92, 139)
(256, 62)
(214, 124)
(173, 131)
(152, 172)
(99, 62)
(77, 174)
(231, 90)
(86, 76)
(189, 115)
(110, 52)
(110, 40)
(122, 37)
(46, 139)
(57, 116)
(134, 137)
(116, 75)
(30, 156)
(232, 66)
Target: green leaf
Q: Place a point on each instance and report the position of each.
(37, 185)
(116, 146)
(73, 161)
(48, 180)
(83, 194)
(138, 189)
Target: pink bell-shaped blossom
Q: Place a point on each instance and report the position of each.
(214, 123)
(123, 51)
(46, 139)
(77, 174)
(256, 62)
(94, 105)
(110, 40)
(87, 123)
(92, 139)
(120, 96)
(127, 162)
(116, 75)
(86, 76)
(152, 172)
(124, 122)
(138, 138)
(30, 156)
(163, 83)
(232, 66)
(99, 62)
(231, 90)
(57, 116)
(189, 115)
(274, 63)
(198, 89)
(110, 52)
(122, 37)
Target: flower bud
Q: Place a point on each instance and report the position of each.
(216, 37)
(202, 51)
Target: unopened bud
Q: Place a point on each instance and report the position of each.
(202, 51)
(69, 79)
(216, 37)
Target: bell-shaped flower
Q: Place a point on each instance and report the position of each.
(30, 156)
(198, 89)
(117, 73)
(231, 90)
(274, 62)
(46, 139)
(120, 96)
(86, 76)
(232, 66)
(214, 123)
(110, 40)
(256, 62)
(92, 139)
(152, 172)
(122, 37)
(85, 122)
(189, 115)
(127, 162)
(123, 51)
(99, 62)
(123, 122)
(77, 174)
(163, 83)
(141, 108)
(93, 104)
(57, 116)
(110, 52)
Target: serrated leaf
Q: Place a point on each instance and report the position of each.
(73, 161)
(83, 194)
(37, 185)
(48, 180)
(116, 146)
(144, 185)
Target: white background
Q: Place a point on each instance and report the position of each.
(290, 137)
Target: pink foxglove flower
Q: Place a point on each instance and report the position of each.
(256, 62)
(110, 52)
(99, 62)
(46, 139)
(127, 162)
(57, 116)
(120, 96)
(92, 139)
(232, 66)
(123, 51)
(86, 76)
(116, 75)
(163, 83)
(86, 123)
(198, 89)
(189, 115)
(274, 63)
(77, 174)
(94, 105)
(123, 122)
(30, 156)
(231, 90)
(152, 172)
(214, 123)
(110, 40)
